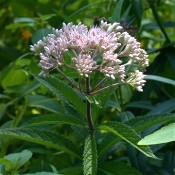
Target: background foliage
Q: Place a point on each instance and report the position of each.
(24, 100)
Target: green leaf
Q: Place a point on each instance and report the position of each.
(153, 25)
(128, 134)
(85, 7)
(25, 91)
(34, 85)
(19, 159)
(9, 80)
(46, 17)
(141, 104)
(137, 9)
(126, 13)
(104, 96)
(44, 102)
(108, 141)
(24, 20)
(7, 163)
(3, 96)
(143, 122)
(18, 25)
(163, 135)
(90, 156)
(116, 16)
(160, 79)
(102, 99)
(72, 170)
(39, 34)
(55, 119)
(125, 116)
(43, 137)
(164, 107)
(117, 168)
(3, 108)
(64, 91)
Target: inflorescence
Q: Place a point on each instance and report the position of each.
(106, 48)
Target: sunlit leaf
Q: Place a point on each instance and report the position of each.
(19, 159)
(163, 135)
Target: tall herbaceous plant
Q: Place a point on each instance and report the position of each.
(103, 57)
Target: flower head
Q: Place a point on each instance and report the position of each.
(136, 80)
(116, 49)
(84, 64)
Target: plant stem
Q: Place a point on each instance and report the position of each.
(154, 10)
(99, 83)
(105, 88)
(68, 79)
(88, 106)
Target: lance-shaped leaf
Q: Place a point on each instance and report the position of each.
(55, 119)
(90, 156)
(42, 137)
(143, 122)
(116, 16)
(161, 79)
(64, 91)
(164, 135)
(128, 134)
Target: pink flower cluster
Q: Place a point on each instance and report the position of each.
(106, 48)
